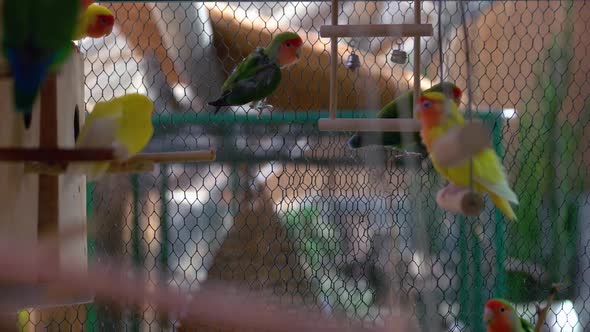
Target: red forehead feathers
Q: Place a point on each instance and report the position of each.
(109, 19)
(295, 41)
(457, 92)
(495, 305)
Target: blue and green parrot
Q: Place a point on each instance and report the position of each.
(37, 39)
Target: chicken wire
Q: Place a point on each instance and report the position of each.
(292, 211)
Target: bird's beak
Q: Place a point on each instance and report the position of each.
(298, 53)
(487, 315)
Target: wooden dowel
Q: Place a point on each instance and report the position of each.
(460, 200)
(460, 144)
(368, 125)
(376, 30)
(182, 156)
(54, 154)
(417, 19)
(139, 166)
(334, 64)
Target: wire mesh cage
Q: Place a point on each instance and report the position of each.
(295, 212)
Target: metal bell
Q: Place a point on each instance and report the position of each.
(353, 61)
(399, 57)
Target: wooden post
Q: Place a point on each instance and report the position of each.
(417, 20)
(334, 64)
(43, 204)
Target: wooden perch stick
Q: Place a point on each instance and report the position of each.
(460, 200)
(213, 305)
(143, 162)
(49, 155)
(542, 312)
(460, 144)
(365, 125)
(376, 30)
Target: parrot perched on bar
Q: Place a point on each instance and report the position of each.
(488, 173)
(123, 123)
(401, 107)
(259, 74)
(37, 37)
(500, 316)
(96, 21)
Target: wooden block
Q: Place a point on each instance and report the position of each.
(376, 30)
(31, 204)
(460, 200)
(369, 125)
(460, 144)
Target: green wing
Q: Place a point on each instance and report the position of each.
(246, 69)
(16, 22)
(402, 104)
(256, 77)
(54, 23)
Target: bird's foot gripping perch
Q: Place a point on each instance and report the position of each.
(261, 106)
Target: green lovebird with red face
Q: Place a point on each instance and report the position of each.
(500, 316)
(37, 40)
(259, 74)
(401, 107)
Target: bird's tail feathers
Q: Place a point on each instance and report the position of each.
(504, 206)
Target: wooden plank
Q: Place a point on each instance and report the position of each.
(417, 53)
(181, 156)
(18, 197)
(376, 30)
(369, 125)
(51, 155)
(48, 185)
(334, 63)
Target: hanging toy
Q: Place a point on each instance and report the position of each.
(353, 61)
(399, 56)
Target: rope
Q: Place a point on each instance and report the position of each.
(468, 82)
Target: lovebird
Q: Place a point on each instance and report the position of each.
(259, 74)
(123, 123)
(95, 22)
(488, 173)
(37, 39)
(401, 107)
(500, 316)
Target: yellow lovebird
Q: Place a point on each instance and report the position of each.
(488, 173)
(95, 22)
(123, 124)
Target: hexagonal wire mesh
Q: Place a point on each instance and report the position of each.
(293, 211)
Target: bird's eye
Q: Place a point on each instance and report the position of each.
(103, 20)
(426, 104)
(502, 309)
(288, 44)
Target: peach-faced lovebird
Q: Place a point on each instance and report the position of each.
(123, 123)
(259, 74)
(37, 39)
(437, 115)
(95, 22)
(401, 107)
(500, 316)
